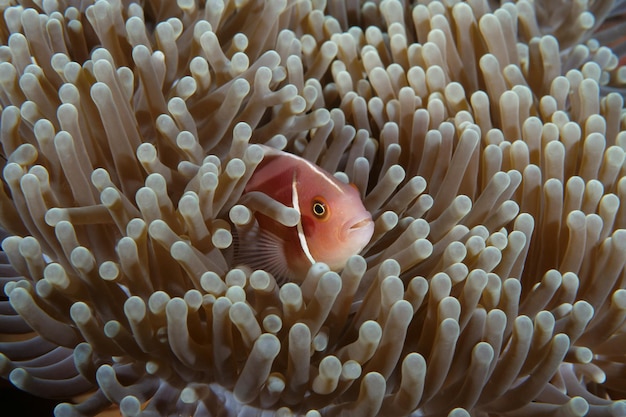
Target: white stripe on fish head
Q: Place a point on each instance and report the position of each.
(296, 205)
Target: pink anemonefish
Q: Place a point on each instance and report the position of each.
(333, 226)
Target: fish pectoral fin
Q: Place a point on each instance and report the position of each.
(264, 250)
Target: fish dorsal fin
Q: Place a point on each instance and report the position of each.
(296, 205)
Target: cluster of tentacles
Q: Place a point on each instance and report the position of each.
(487, 141)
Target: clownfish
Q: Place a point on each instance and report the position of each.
(333, 225)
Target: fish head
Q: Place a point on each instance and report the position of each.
(335, 223)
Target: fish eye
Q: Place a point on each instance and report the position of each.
(320, 209)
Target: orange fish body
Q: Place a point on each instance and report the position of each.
(334, 224)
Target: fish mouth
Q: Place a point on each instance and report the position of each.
(359, 231)
(361, 223)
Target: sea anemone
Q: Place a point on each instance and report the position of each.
(488, 142)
